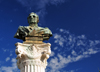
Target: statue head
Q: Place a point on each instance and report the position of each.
(33, 18)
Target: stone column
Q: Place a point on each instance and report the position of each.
(32, 57)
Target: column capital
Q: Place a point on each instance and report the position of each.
(32, 54)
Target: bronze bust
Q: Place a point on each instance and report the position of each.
(33, 33)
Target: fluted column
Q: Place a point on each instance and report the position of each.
(32, 57)
(33, 68)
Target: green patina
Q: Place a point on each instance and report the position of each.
(33, 29)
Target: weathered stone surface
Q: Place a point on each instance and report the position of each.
(32, 55)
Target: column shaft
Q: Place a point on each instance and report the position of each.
(33, 68)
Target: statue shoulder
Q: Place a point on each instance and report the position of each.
(22, 27)
(40, 28)
(46, 28)
(48, 31)
(21, 32)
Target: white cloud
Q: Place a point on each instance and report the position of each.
(61, 30)
(75, 47)
(8, 58)
(72, 70)
(39, 6)
(12, 68)
(4, 49)
(74, 53)
(90, 51)
(55, 48)
(56, 63)
(13, 60)
(59, 62)
(64, 31)
(36, 4)
(55, 2)
(59, 39)
(10, 54)
(52, 53)
(70, 41)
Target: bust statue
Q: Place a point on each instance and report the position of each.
(33, 33)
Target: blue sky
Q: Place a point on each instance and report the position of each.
(75, 25)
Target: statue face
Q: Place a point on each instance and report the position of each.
(33, 18)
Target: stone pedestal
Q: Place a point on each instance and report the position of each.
(32, 57)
